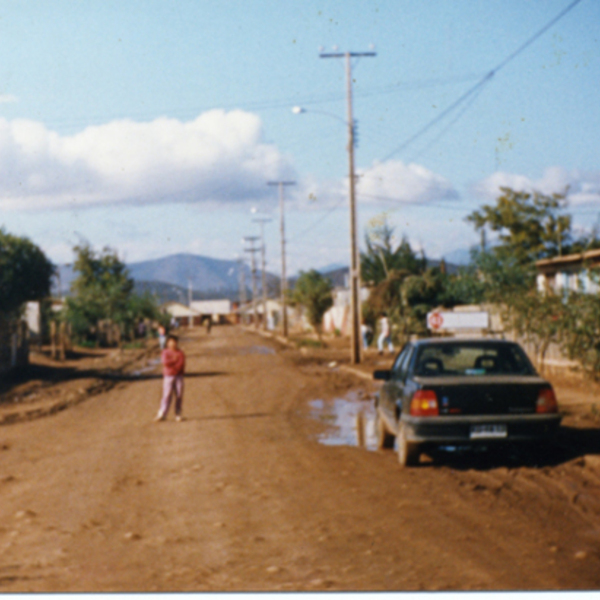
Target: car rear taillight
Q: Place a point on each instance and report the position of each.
(546, 401)
(424, 403)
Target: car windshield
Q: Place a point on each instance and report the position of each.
(471, 359)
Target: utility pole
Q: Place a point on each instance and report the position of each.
(242, 286)
(190, 318)
(261, 221)
(284, 319)
(355, 345)
(251, 239)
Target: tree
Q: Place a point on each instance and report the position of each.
(530, 226)
(464, 287)
(314, 293)
(142, 306)
(539, 319)
(581, 331)
(101, 291)
(381, 259)
(25, 273)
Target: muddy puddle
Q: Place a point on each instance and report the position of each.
(150, 366)
(257, 350)
(349, 421)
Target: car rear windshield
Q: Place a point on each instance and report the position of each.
(471, 359)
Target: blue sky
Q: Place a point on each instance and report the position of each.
(153, 127)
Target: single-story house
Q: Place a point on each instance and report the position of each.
(338, 316)
(220, 311)
(184, 315)
(570, 272)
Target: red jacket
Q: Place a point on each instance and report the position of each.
(173, 362)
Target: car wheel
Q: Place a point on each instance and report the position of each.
(408, 452)
(385, 440)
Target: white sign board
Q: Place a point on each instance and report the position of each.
(441, 320)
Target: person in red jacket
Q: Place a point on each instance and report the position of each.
(173, 360)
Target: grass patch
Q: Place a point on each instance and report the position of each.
(134, 346)
(88, 344)
(309, 344)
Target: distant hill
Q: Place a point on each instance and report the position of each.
(205, 274)
(339, 276)
(461, 256)
(170, 277)
(167, 292)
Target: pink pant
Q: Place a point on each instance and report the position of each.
(172, 384)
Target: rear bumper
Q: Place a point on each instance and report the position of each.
(457, 430)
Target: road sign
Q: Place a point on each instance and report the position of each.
(444, 320)
(435, 320)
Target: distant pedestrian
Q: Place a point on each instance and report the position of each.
(208, 324)
(385, 334)
(365, 332)
(141, 329)
(173, 360)
(162, 337)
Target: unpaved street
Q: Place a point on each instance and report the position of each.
(242, 496)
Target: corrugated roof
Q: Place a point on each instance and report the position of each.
(569, 258)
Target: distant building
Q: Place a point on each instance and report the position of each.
(570, 272)
(184, 315)
(220, 311)
(338, 316)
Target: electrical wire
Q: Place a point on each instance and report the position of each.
(405, 204)
(453, 122)
(482, 82)
(276, 104)
(318, 222)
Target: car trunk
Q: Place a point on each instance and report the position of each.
(485, 395)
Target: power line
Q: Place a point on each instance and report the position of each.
(483, 81)
(408, 204)
(278, 103)
(453, 122)
(318, 221)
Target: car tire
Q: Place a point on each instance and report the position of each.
(408, 452)
(385, 440)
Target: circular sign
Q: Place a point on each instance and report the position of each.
(435, 320)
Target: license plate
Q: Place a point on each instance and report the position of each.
(487, 431)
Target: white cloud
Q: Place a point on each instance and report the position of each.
(218, 157)
(584, 187)
(382, 184)
(8, 99)
(405, 183)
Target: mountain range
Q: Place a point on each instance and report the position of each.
(170, 278)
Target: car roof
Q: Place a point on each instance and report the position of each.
(461, 340)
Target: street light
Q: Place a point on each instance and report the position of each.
(354, 283)
(250, 239)
(300, 110)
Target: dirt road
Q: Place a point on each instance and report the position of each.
(242, 496)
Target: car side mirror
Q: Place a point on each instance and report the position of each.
(383, 375)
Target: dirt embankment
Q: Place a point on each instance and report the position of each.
(49, 386)
(243, 496)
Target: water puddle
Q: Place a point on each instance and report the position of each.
(151, 365)
(257, 350)
(350, 421)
